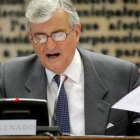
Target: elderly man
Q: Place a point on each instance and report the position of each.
(94, 82)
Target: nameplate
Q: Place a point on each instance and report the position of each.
(17, 127)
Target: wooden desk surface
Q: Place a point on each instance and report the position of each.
(66, 138)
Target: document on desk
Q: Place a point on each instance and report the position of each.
(130, 102)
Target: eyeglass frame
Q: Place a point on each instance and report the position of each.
(51, 36)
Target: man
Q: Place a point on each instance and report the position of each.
(94, 81)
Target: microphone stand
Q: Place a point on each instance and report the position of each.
(54, 129)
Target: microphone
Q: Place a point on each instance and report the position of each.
(62, 79)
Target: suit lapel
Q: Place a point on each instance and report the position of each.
(96, 109)
(37, 83)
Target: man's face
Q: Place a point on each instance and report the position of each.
(63, 51)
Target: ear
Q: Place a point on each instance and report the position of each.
(29, 36)
(78, 32)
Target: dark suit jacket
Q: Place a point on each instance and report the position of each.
(107, 80)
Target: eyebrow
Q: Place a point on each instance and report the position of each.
(40, 33)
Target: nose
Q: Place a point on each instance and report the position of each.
(50, 44)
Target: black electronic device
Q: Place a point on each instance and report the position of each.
(23, 108)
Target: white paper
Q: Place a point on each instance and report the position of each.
(130, 102)
(17, 127)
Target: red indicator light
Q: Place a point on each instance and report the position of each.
(16, 100)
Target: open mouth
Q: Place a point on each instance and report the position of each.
(53, 55)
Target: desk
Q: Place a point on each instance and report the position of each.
(67, 138)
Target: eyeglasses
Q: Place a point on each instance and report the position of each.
(41, 39)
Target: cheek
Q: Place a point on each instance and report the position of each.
(70, 51)
(38, 50)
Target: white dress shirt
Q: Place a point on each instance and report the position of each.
(74, 87)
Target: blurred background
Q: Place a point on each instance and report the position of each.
(111, 27)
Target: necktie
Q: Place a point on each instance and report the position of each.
(62, 108)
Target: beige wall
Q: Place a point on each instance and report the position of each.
(111, 27)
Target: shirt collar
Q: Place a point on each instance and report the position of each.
(50, 75)
(73, 71)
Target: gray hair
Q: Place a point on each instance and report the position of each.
(39, 11)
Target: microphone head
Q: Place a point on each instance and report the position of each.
(63, 78)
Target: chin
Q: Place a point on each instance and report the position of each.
(55, 70)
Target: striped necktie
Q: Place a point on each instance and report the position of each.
(62, 107)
